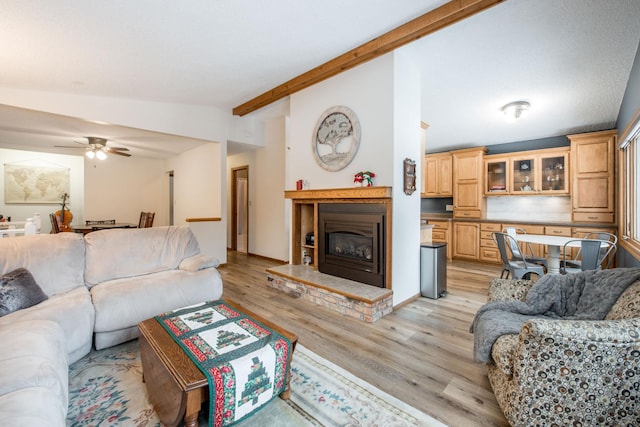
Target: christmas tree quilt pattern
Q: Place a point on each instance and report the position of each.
(246, 363)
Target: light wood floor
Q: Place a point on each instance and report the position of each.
(421, 353)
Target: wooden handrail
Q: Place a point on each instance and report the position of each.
(203, 219)
(432, 21)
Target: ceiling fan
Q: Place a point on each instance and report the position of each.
(97, 148)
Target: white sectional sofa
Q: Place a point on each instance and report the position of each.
(99, 287)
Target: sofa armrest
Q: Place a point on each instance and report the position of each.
(509, 289)
(198, 262)
(561, 365)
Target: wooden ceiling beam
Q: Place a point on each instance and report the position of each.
(432, 21)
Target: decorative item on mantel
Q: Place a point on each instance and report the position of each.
(363, 179)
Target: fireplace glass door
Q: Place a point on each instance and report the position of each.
(351, 243)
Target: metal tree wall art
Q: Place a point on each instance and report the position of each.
(336, 138)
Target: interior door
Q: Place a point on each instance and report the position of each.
(240, 209)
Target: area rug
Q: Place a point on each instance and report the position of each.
(106, 389)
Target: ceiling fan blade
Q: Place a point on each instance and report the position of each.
(119, 153)
(118, 148)
(71, 146)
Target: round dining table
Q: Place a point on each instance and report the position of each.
(553, 243)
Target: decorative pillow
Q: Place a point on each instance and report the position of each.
(18, 290)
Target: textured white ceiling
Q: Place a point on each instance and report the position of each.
(570, 58)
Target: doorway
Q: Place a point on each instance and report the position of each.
(240, 209)
(171, 199)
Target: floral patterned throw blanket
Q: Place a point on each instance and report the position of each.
(245, 362)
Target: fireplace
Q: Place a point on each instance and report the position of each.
(351, 241)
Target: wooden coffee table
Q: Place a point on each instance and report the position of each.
(176, 387)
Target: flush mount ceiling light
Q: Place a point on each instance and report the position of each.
(514, 111)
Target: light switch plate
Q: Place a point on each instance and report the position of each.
(449, 208)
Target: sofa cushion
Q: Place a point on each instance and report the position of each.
(126, 302)
(136, 252)
(33, 355)
(18, 290)
(32, 407)
(72, 310)
(56, 261)
(628, 304)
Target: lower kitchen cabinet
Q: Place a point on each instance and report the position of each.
(466, 240)
(441, 233)
(488, 250)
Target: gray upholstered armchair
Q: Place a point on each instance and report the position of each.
(569, 372)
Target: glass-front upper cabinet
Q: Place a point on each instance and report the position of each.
(496, 175)
(528, 173)
(553, 173)
(523, 172)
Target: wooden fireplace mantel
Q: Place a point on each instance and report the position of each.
(305, 218)
(340, 193)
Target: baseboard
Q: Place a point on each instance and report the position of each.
(407, 301)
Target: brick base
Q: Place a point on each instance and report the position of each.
(366, 310)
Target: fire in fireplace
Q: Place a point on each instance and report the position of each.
(351, 241)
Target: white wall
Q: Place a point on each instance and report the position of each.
(19, 212)
(271, 233)
(406, 208)
(368, 91)
(384, 94)
(268, 234)
(121, 187)
(199, 181)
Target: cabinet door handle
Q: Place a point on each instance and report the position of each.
(592, 217)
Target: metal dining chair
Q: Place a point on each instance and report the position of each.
(516, 265)
(518, 253)
(593, 253)
(600, 235)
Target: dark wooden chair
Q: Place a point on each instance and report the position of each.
(55, 225)
(146, 219)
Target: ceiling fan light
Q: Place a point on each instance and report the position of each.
(90, 154)
(514, 111)
(101, 155)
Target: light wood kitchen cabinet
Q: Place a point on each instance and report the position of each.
(468, 200)
(441, 233)
(528, 173)
(592, 155)
(438, 175)
(466, 240)
(496, 175)
(488, 250)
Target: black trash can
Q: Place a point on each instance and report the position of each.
(433, 269)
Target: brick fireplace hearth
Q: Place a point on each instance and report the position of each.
(368, 302)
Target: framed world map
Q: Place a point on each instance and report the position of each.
(34, 184)
(336, 138)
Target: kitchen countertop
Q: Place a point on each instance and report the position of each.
(449, 217)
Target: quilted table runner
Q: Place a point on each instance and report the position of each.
(246, 363)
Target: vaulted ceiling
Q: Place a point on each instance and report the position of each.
(569, 58)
